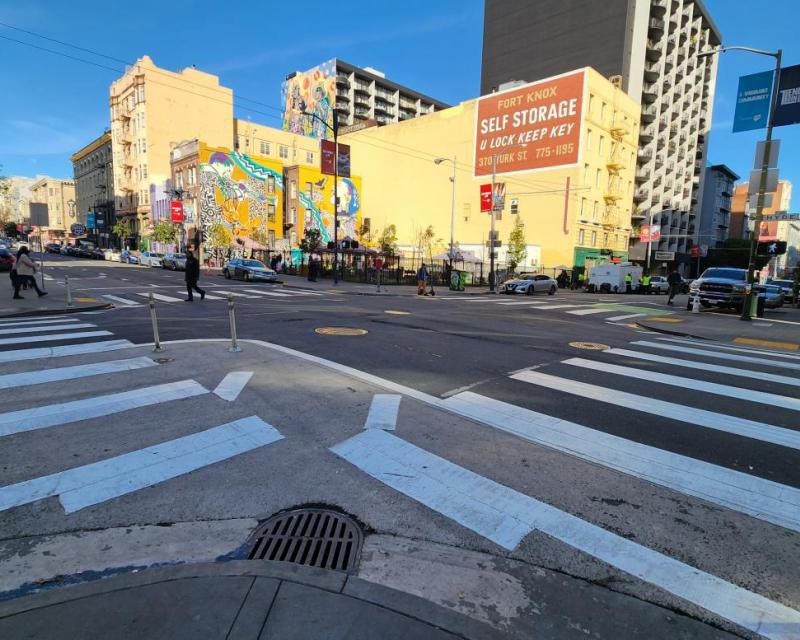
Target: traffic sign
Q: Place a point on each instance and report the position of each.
(666, 256)
(771, 248)
(77, 230)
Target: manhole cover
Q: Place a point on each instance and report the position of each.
(591, 346)
(163, 360)
(314, 537)
(340, 331)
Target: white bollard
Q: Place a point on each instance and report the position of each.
(234, 348)
(69, 292)
(156, 339)
(696, 304)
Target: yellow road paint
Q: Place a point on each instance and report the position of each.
(86, 299)
(664, 319)
(340, 331)
(772, 344)
(395, 312)
(591, 346)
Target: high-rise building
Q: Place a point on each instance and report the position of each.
(652, 47)
(715, 209)
(356, 94)
(53, 208)
(92, 168)
(153, 109)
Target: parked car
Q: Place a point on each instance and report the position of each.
(65, 250)
(150, 259)
(111, 255)
(174, 261)
(772, 294)
(659, 284)
(529, 284)
(127, 257)
(6, 260)
(249, 270)
(98, 254)
(720, 286)
(52, 247)
(786, 286)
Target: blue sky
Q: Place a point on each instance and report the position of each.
(51, 106)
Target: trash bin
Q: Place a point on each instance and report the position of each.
(760, 306)
(458, 280)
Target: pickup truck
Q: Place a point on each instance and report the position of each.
(720, 286)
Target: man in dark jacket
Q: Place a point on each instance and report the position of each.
(192, 276)
(674, 280)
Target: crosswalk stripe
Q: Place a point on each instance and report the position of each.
(532, 303)
(53, 338)
(235, 294)
(759, 498)
(268, 293)
(208, 296)
(383, 411)
(625, 317)
(73, 411)
(232, 384)
(121, 300)
(160, 296)
(725, 347)
(303, 292)
(690, 415)
(695, 385)
(705, 366)
(564, 306)
(717, 354)
(36, 323)
(25, 378)
(505, 516)
(46, 327)
(587, 312)
(81, 487)
(64, 350)
(4, 321)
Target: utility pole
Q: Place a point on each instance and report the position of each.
(492, 232)
(452, 251)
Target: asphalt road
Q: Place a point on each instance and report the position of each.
(691, 451)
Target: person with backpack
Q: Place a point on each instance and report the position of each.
(24, 268)
(674, 280)
(192, 276)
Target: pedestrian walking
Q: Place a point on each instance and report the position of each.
(192, 276)
(378, 269)
(25, 268)
(674, 280)
(422, 280)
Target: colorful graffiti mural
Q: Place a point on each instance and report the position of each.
(242, 193)
(312, 91)
(317, 204)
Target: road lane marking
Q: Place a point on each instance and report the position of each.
(76, 410)
(208, 296)
(53, 338)
(506, 516)
(762, 499)
(565, 306)
(47, 327)
(625, 317)
(235, 294)
(159, 296)
(526, 303)
(232, 384)
(303, 292)
(756, 342)
(124, 301)
(383, 411)
(94, 483)
(587, 312)
(19, 323)
(64, 350)
(682, 413)
(276, 294)
(705, 366)
(719, 355)
(5, 321)
(749, 395)
(726, 347)
(25, 378)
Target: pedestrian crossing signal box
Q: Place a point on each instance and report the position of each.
(771, 248)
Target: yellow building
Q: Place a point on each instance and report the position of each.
(151, 110)
(572, 216)
(60, 210)
(276, 144)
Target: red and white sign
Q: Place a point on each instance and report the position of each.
(176, 211)
(650, 233)
(530, 128)
(694, 252)
(486, 198)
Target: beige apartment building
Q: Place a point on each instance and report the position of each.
(53, 220)
(151, 111)
(92, 168)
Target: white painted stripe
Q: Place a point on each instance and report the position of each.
(268, 293)
(726, 347)
(303, 292)
(53, 338)
(47, 327)
(35, 323)
(526, 303)
(646, 404)
(717, 354)
(565, 306)
(232, 384)
(493, 299)
(34, 318)
(64, 350)
(90, 484)
(160, 296)
(65, 412)
(383, 411)
(706, 366)
(625, 317)
(749, 395)
(505, 516)
(25, 378)
(759, 498)
(587, 312)
(208, 295)
(235, 294)
(124, 301)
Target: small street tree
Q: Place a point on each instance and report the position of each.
(387, 241)
(218, 237)
(122, 229)
(10, 230)
(164, 232)
(311, 241)
(517, 247)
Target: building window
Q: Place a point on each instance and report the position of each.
(601, 147)
(140, 93)
(309, 189)
(293, 190)
(588, 138)
(270, 184)
(144, 171)
(594, 238)
(581, 236)
(310, 157)
(597, 178)
(283, 151)
(293, 216)
(271, 212)
(264, 148)
(594, 211)
(52, 191)
(179, 179)
(237, 143)
(586, 174)
(605, 239)
(591, 103)
(271, 236)
(583, 207)
(603, 111)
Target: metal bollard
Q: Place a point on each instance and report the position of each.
(156, 339)
(69, 292)
(234, 348)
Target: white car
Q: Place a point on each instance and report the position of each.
(530, 283)
(150, 259)
(659, 284)
(112, 256)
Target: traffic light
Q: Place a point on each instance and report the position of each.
(771, 248)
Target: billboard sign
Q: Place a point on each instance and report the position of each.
(752, 101)
(176, 211)
(530, 128)
(787, 110)
(650, 233)
(309, 99)
(486, 198)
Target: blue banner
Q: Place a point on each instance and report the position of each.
(752, 101)
(90, 220)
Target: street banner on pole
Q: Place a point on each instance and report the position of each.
(90, 223)
(176, 211)
(328, 155)
(344, 160)
(499, 198)
(531, 128)
(787, 111)
(486, 198)
(753, 101)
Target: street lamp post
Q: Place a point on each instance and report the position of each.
(452, 251)
(762, 185)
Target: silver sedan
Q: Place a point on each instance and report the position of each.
(530, 284)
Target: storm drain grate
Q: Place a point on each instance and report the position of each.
(314, 537)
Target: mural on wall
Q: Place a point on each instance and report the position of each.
(318, 205)
(243, 194)
(312, 91)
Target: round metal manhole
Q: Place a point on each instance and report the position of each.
(320, 538)
(397, 312)
(163, 360)
(591, 346)
(340, 331)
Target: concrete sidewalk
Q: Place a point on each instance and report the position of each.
(55, 302)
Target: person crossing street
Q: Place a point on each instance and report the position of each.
(192, 276)
(674, 280)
